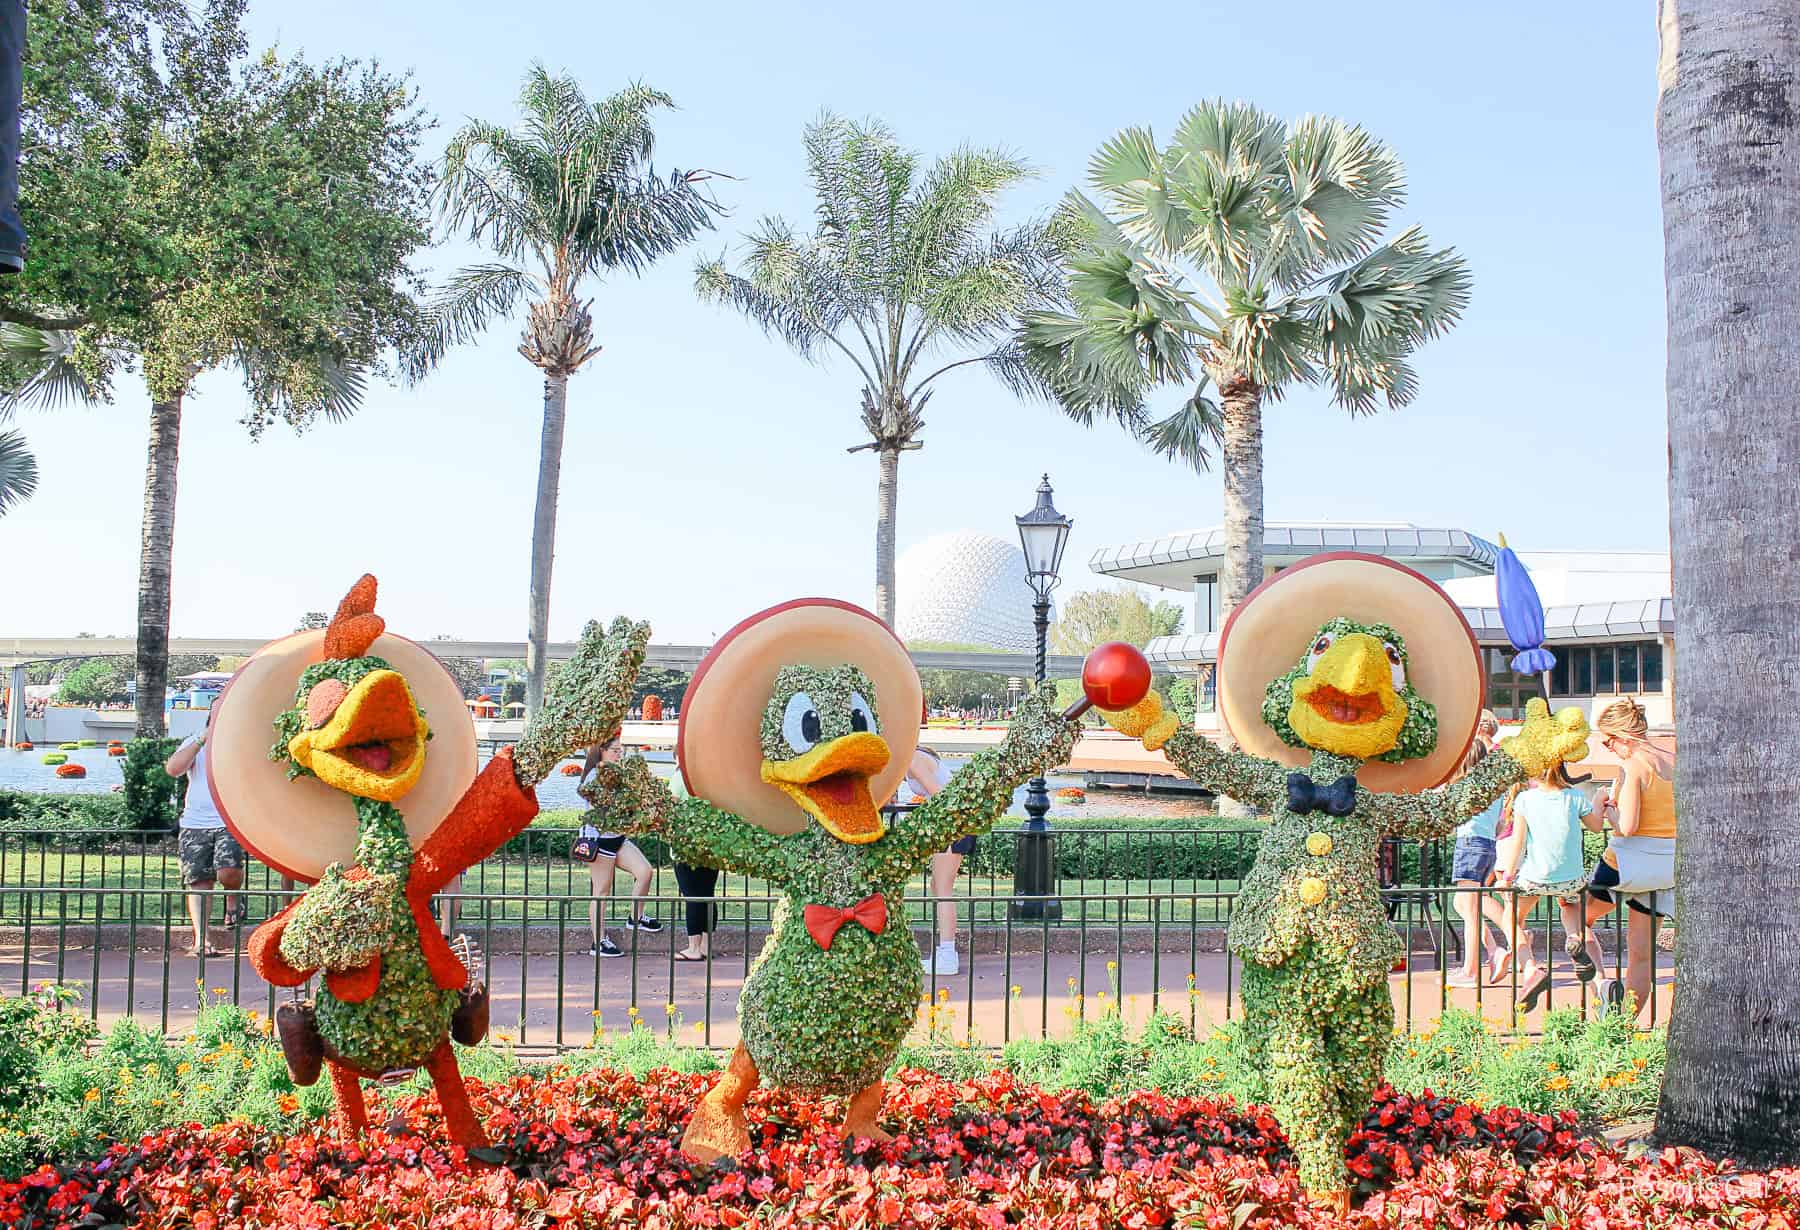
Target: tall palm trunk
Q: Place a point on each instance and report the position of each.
(1726, 124)
(887, 496)
(156, 551)
(1241, 446)
(543, 535)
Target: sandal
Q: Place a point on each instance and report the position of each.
(687, 960)
(1576, 947)
(1535, 991)
(235, 916)
(1500, 967)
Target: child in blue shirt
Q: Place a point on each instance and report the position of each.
(1544, 859)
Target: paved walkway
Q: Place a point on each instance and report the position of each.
(547, 999)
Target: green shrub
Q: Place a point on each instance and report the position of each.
(20, 811)
(67, 747)
(85, 743)
(153, 799)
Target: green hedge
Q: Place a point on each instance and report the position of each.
(20, 811)
(153, 799)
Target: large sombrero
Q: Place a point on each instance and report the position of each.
(719, 741)
(1270, 630)
(299, 827)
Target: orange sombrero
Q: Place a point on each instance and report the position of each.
(1269, 631)
(719, 740)
(300, 827)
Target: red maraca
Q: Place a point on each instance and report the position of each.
(1114, 676)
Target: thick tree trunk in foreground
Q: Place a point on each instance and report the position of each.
(1242, 450)
(543, 537)
(1729, 102)
(887, 496)
(156, 552)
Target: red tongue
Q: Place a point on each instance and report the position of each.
(376, 757)
(839, 787)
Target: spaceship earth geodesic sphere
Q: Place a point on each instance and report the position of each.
(964, 588)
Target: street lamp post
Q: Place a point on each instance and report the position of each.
(1043, 532)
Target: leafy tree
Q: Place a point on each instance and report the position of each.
(565, 198)
(220, 210)
(1726, 132)
(1280, 227)
(470, 673)
(904, 277)
(1096, 616)
(95, 681)
(659, 681)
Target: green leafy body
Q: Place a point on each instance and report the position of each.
(408, 1016)
(818, 1020)
(1316, 1002)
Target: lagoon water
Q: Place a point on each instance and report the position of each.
(25, 771)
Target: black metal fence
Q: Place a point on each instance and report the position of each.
(106, 914)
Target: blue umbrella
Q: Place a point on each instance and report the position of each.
(1522, 613)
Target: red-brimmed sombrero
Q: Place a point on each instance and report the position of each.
(1270, 630)
(300, 827)
(719, 741)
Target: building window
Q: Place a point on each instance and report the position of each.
(1653, 666)
(1206, 603)
(1581, 672)
(1628, 668)
(1604, 679)
(1206, 697)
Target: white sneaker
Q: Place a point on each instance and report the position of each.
(944, 964)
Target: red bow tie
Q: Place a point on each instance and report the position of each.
(823, 921)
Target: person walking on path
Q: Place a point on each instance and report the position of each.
(697, 884)
(1472, 869)
(1639, 864)
(209, 853)
(1544, 859)
(605, 853)
(925, 776)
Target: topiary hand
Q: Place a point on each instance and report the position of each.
(1039, 731)
(587, 700)
(1147, 720)
(341, 923)
(627, 798)
(1547, 738)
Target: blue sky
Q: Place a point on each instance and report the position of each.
(706, 475)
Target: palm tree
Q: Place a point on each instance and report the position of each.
(903, 277)
(1726, 132)
(36, 367)
(1280, 228)
(52, 372)
(568, 196)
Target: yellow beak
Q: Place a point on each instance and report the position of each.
(1348, 705)
(373, 744)
(830, 782)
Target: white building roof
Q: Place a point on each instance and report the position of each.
(1172, 560)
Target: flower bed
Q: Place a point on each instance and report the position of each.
(70, 770)
(600, 1148)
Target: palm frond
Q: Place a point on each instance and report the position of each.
(1340, 187)
(1189, 434)
(299, 389)
(18, 471)
(465, 306)
(1275, 343)
(1398, 296)
(52, 378)
(782, 315)
(1221, 165)
(944, 217)
(1130, 171)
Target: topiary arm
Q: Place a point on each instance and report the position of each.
(1436, 813)
(1249, 779)
(1037, 740)
(628, 798)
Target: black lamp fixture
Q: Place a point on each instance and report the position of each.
(1043, 533)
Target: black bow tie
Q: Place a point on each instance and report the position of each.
(1337, 799)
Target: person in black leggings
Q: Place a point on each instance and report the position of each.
(697, 885)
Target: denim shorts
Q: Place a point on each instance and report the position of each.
(1473, 860)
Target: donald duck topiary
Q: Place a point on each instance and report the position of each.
(796, 728)
(369, 795)
(1353, 686)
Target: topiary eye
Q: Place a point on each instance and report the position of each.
(1396, 667)
(800, 723)
(862, 714)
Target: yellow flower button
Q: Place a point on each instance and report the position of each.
(1312, 890)
(1318, 845)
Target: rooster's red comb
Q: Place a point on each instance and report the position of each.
(356, 625)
